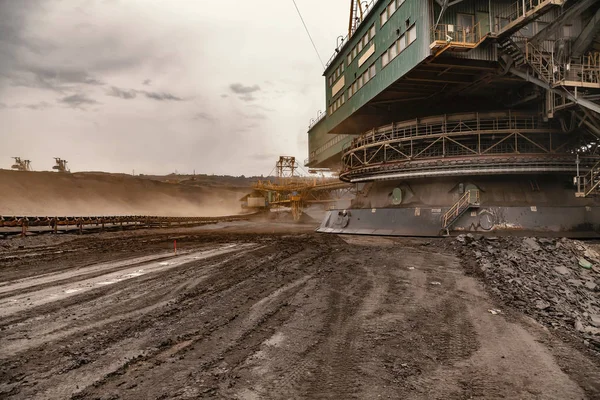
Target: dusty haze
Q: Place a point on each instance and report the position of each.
(48, 193)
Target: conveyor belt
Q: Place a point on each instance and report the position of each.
(54, 224)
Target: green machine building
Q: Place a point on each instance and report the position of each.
(464, 115)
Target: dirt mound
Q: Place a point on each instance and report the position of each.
(48, 193)
(556, 281)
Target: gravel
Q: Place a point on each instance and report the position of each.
(556, 281)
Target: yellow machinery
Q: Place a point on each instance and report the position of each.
(296, 192)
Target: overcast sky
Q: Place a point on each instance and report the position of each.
(218, 86)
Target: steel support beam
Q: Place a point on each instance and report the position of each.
(582, 102)
(587, 35)
(555, 25)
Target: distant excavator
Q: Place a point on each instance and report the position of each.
(61, 165)
(21, 165)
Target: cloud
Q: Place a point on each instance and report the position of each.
(238, 88)
(33, 106)
(161, 96)
(247, 97)
(147, 82)
(122, 93)
(204, 116)
(2, 105)
(129, 94)
(57, 78)
(77, 100)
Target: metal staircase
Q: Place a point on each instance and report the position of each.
(469, 200)
(509, 47)
(541, 63)
(520, 13)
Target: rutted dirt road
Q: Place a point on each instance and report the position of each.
(247, 313)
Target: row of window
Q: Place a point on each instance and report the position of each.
(336, 139)
(362, 80)
(399, 45)
(337, 103)
(364, 41)
(389, 10)
(336, 74)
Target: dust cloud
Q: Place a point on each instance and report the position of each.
(53, 194)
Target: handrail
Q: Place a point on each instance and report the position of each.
(451, 33)
(447, 126)
(314, 121)
(516, 10)
(593, 180)
(368, 8)
(471, 197)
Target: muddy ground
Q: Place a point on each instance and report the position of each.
(267, 312)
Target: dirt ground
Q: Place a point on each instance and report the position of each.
(248, 311)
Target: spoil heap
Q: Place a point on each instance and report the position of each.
(556, 281)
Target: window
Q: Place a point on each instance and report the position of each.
(383, 17)
(372, 71)
(465, 21)
(385, 59)
(350, 91)
(366, 75)
(360, 46)
(401, 43)
(372, 32)
(391, 8)
(412, 34)
(349, 60)
(393, 51)
(365, 40)
(330, 80)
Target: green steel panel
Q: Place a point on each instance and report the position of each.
(416, 11)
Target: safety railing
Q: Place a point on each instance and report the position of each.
(468, 200)
(512, 15)
(317, 119)
(582, 73)
(588, 183)
(541, 62)
(367, 10)
(450, 124)
(457, 35)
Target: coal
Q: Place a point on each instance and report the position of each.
(545, 278)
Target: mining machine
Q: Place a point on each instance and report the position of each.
(453, 116)
(21, 165)
(61, 165)
(288, 189)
